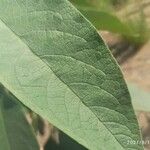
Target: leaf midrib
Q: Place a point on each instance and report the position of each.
(61, 80)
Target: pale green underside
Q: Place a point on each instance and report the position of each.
(54, 62)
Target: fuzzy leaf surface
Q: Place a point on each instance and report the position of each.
(53, 60)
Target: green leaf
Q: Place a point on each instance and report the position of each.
(65, 143)
(101, 18)
(84, 3)
(96, 4)
(104, 21)
(53, 60)
(16, 134)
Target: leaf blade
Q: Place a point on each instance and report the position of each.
(51, 87)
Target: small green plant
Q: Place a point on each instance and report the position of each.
(54, 62)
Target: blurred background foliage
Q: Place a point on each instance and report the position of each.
(125, 17)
